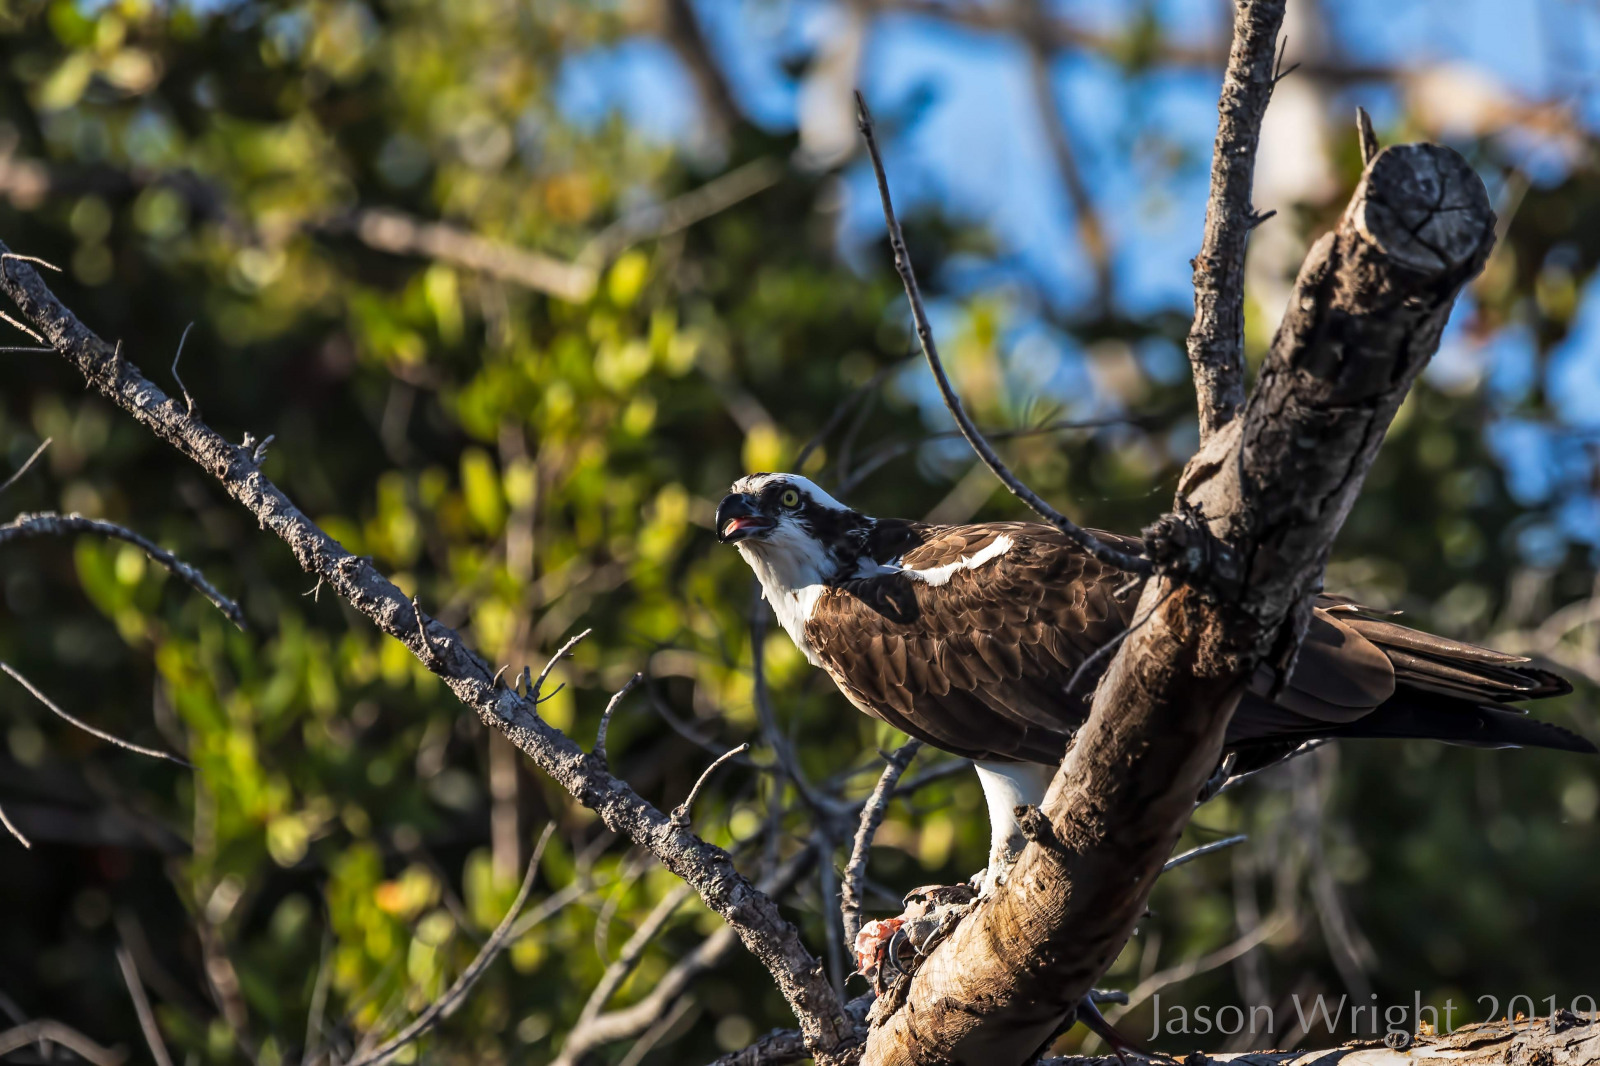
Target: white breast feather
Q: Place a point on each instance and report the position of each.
(941, 575)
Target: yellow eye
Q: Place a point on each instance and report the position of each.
(790, 498)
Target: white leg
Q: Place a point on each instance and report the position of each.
(1008, 785)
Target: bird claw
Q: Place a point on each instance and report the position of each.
(889, 950)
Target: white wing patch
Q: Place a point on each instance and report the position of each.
(937, 576)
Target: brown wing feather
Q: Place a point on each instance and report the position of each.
(977, 665)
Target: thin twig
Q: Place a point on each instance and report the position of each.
(562, 652)
(13, 830)
(27, 465)
(1204, 963)
(1204, 849)
(46, 1029)
(22, 327)
(632, 951)
(187, 399)
(872, 814)
(141, 1007)
(680, 813)
(902, 262)
(50, 524)
(1238, 779)
(154, 753)
(605, 718)
(443, 1006)
(654, 1035)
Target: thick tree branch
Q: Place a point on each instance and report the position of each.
(1264, 499)
(754, 916)
(1216, 339)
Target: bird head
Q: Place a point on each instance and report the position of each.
(787, 525)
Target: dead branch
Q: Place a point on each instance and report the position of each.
(1272, 487)
(141, 1006)
(750, 913)
(49, 524)
(446, 1004)
(44, 1029)
(930, 350)
(872, 812)
(1216, 339)
(126, 745)
(28, 463)
(596, 1032)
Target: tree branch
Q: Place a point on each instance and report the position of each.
(755, 917)
(1216, 339)
(902, 264)
(48, 524)
(445, 1005)
(1265, 496)
(877, 805)
(598, 1030)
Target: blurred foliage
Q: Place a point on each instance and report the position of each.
(531, 467)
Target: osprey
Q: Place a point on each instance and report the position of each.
(967, 636)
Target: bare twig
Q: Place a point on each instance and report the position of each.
(632, 951)
(154, 753)
(193, 411)
(1204, 963)
(11, 828)
(49, 524)
(657, 1032)
(27, 465)
(1204, 849)
(681, 212)
(19, 325)
(605, 717)
(62, 1036)
(537, 686)
(141, 1007)
(445, 1005)
(872, 813)
(1238, 779)
(1216, 339)
(713, 951)
(930, 350)
(680, 813)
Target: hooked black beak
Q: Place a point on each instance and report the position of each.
(738, 519)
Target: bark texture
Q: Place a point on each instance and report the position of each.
(1216, 338)
(1258, 509)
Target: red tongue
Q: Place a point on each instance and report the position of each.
(736, 524)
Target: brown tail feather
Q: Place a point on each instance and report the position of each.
(1456, 668)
